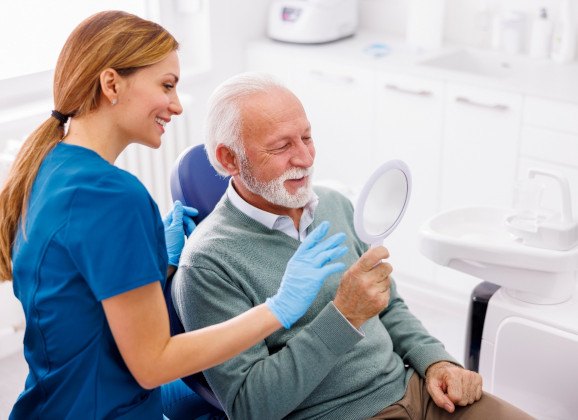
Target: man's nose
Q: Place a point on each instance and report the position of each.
(304, 155)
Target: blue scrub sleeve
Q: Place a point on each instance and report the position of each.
(116, 236)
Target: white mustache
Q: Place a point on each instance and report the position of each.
(296, 173)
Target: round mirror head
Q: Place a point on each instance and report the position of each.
(382, 202)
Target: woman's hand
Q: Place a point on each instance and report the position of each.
(306, 271)
(178, 224)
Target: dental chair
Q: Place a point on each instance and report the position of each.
(195, 183)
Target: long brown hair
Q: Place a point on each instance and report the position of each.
(111, 39)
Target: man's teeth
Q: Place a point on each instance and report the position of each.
(161, 122)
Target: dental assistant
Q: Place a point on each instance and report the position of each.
(88, 252)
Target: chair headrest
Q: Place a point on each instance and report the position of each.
(196, 183)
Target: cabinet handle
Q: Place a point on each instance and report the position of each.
(333, 78)
(408, 91)
(467, 101)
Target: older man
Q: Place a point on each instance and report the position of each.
(358, 352)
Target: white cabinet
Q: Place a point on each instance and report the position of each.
(339, 103)
(480, 150)
(465, 144)
(408, 126)
(550, 141)
(269, 59)
(556, 115)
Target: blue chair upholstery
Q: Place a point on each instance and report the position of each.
(195, 183)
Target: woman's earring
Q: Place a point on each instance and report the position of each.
(113, 101)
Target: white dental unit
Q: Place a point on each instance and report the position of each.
(528, 338)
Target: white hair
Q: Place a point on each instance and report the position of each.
(223, 122)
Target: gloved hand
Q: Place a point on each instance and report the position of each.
(306, 271)
(178, 223)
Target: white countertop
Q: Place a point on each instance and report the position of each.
(538, 77)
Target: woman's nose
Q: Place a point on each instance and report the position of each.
(175, 106)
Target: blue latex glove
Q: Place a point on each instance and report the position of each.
(306, 271)
(178, 223)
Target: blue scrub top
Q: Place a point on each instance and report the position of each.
(92, 232)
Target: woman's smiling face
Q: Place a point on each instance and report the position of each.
(149, 100)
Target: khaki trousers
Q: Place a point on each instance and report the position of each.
(417, 404)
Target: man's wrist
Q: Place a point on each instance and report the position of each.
(353, 325)
(440, 364)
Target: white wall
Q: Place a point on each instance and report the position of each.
(232, 24)
(11, 320)
(462, 17)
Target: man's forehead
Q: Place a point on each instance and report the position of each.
(267, 102)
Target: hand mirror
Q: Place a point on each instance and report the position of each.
(382, 202)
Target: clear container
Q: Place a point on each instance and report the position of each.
(513, 32)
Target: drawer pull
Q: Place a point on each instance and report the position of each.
(467, 101)
(417, 92)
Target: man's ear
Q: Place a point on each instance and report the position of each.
(228, 159)
(109, 81)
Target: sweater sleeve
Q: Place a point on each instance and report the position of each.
(410, 339)
(259, 384)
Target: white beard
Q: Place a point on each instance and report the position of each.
(274, 191)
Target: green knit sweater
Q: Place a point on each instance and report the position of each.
(322, 368)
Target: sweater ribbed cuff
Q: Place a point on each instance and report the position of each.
(428, 355)
(335, 330)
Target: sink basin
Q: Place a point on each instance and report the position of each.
(475, 240)
(484, 63)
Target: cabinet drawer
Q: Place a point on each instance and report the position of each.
(408, 126)
(480, 146)
(315, 72)
(555, 115)
(408, 86)
(338, 100)
(549, 145)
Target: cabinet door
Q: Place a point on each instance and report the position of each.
(552, 196)
(482, 130)
(408, 121)
(338, 100)
(273, 59)
(550, 140)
